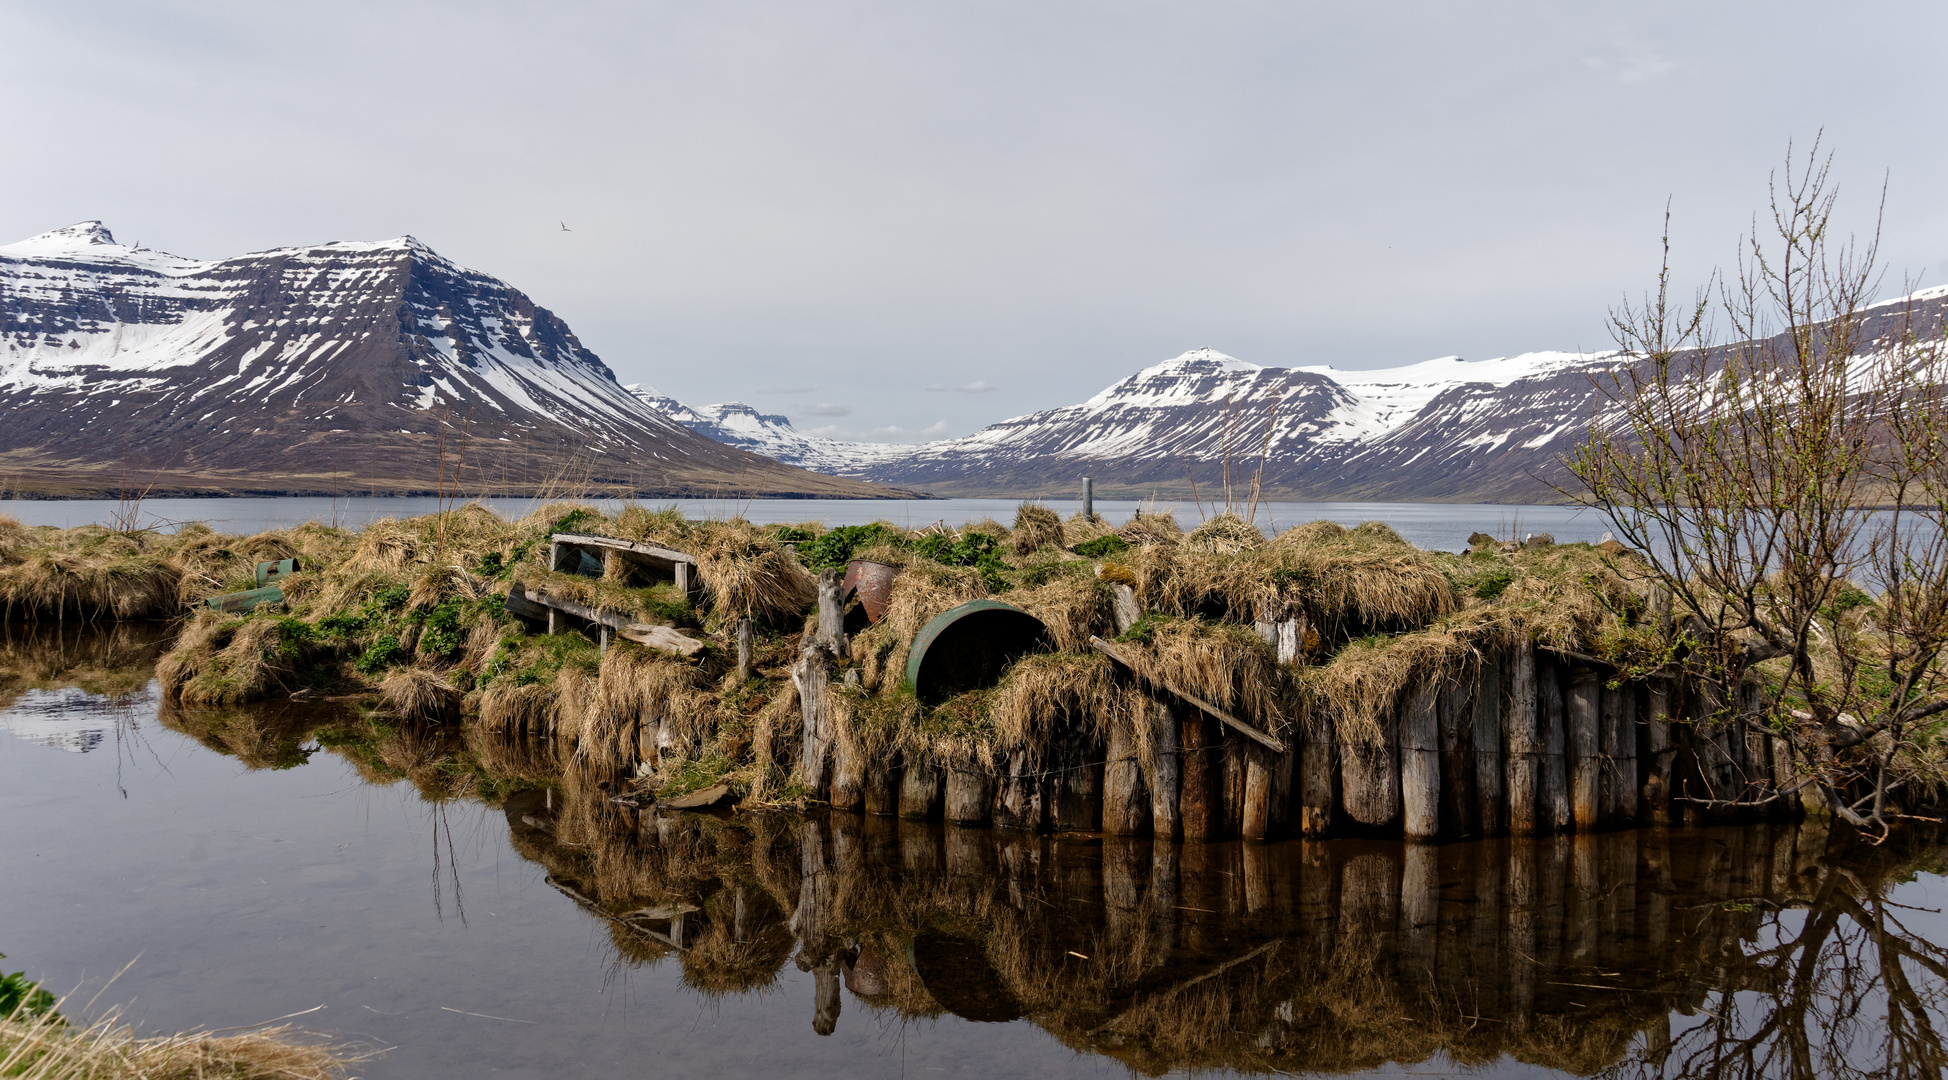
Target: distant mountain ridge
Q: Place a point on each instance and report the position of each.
(330, 367)
(1443, 430)
(1447, 428)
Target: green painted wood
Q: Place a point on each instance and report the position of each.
(269, 573)
(238, 602)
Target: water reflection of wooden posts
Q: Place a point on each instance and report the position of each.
(1555, 950)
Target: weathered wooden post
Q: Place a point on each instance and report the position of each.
(1491, 804)
(810, 675)
(1420, 763)
(882, 787)
(1584, 724)
(1165, 768)
(1201, 768)
(1231, 783)
(1624, 755)
(969, 793)
(1460, 815)
(1018, 797)
(1088, 499)
(1657, 742)
(1369, 776)
(1256, 821)
(1522, 764)
(1126, 801)
(1552, 786)
(1318, 768)
(1124, 610)
(848, 775)
(831, 613)
(920, 791)
(746, 648)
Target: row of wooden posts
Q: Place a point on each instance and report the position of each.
(1533, 742)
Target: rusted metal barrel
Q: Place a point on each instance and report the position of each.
(873, 581)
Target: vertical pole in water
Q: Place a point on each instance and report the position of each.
(1163, 779)
(1657, 742)
(968, 794)
(1316, 772)
(1583, 728)
(1552, 785)
(1487, 733)
(1256, 820)
(1088, 499)
(1519, 729)
(1126, 805)
(1200, 769)
(1420, 764)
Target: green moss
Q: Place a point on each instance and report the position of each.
(1102, 546)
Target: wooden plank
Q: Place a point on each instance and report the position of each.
(518, 604)
(651, 551)
(1216, 713)
(662, 637)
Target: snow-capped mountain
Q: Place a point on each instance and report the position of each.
(332, 367)
(771, 434)
(1447, 429)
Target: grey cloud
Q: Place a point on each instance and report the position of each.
(827, 408)
(1040, 198)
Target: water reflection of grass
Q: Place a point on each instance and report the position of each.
(113, 660)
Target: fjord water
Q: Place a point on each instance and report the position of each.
(1433, 525)
(480, 910)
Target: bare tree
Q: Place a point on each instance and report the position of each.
(1774, 448)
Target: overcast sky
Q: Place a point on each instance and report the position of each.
(901, 220)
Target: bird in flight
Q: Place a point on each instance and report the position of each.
(565, 228)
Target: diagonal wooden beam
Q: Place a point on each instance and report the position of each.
(1225, 718)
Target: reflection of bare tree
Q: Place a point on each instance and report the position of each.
(1836, 984)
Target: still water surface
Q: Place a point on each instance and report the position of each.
(1436, 525)
(481, 910)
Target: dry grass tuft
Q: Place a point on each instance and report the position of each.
(47, 1048)
(1074, 604)
(749, 574)
(419, 695)
(1228, 665)
(1151, 529)
(223, 659)
(1225, 534)
(1036, 527)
